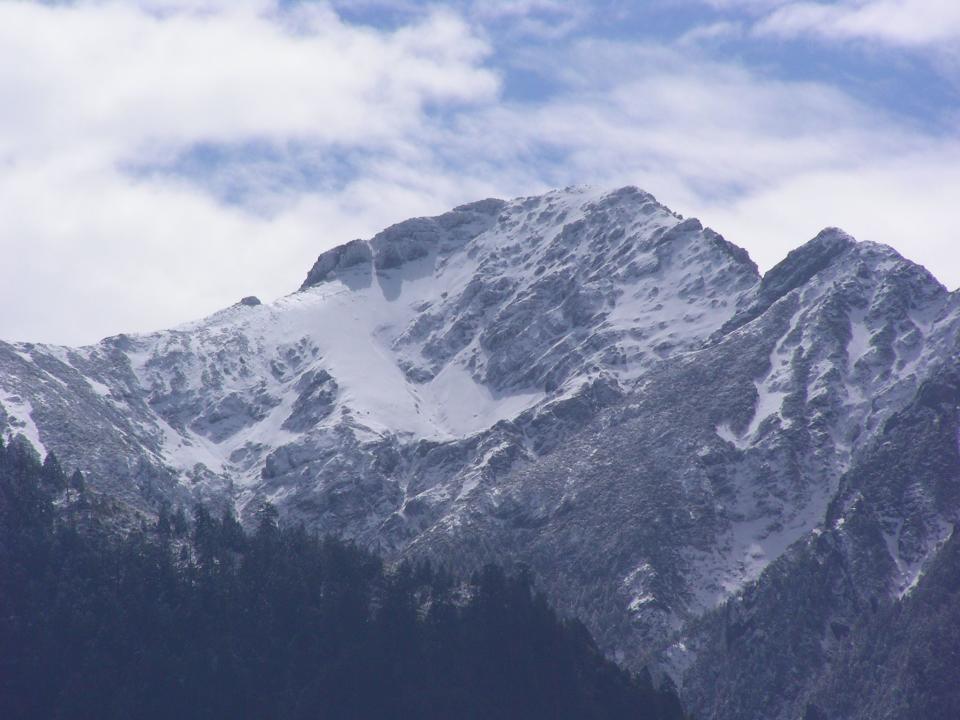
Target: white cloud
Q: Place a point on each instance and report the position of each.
(512, 19)
(523, 8)
(913, 23)
(94, 89)
(90, 88)
(928, 29)
(716, 126)
(721, 30)
(536, 18)
(906, 201)
(125, 77)
(753, 5)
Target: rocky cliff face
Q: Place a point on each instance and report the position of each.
(583, 382)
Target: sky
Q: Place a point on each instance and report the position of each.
(161, 159)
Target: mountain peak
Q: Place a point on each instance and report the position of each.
(508, 291)
(831, 236)
(416, 238)
(405, 241)
(797, 268)
(806, 261)
(343, 257)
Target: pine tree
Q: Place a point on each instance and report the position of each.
(164, 523)
(52, 475)
(179, 523)
(77, 481)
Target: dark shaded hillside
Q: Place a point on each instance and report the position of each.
(858, 621)
(197, 619)
(904, 662)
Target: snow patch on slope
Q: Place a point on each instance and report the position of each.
(20, 420)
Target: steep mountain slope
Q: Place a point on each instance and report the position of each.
(900, 662)
(846, 623)
(687, 485)
(583, 382)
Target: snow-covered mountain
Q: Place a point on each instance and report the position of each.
(431, 333)
(584, 382)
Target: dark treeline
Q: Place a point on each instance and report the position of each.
(198, 619)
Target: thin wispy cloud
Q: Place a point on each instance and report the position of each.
(768, 162)
(913, 23)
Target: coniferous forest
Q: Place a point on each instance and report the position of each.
(192, 617)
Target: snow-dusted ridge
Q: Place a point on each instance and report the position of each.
(399, 328)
